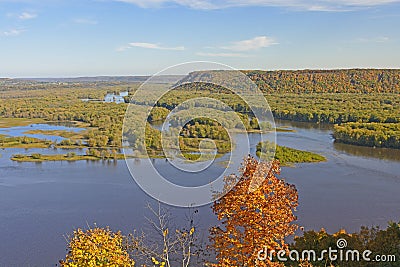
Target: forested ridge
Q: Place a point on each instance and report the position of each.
(314, 81)
(328, 81)
(284, 81)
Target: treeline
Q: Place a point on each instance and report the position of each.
(369, 134)
(383, 244)
(282, 81)
(328, 81)
(13, 85)
(91, 154)
(313, 107)
(308, 81)
(23, 141)
(336, 108)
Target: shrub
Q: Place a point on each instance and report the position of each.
(96, 247)
(36, 156)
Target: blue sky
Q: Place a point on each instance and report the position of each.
(60, 38)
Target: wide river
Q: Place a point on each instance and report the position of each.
(41, 203)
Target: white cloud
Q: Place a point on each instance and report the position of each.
(195, 4)
(368, 2)
(23, 15)
(85, 21)
(221, 54)
(122, 48)
(251, 44)
(150, 46)
(310, 5)
(381, 39)
(13, 32)
(27, 15)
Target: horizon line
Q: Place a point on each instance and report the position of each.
(150, 75)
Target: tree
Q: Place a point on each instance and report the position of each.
(256, 214)
(166, 245)
(380, 242)
(102, 140)
(96, 247)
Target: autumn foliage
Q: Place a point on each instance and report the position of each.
(256, 214)
(97, 247)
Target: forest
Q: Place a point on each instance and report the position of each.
(364, 81)
(332, 97)
(62, 103)
(367, 97)
(369, 134)
(328, 81)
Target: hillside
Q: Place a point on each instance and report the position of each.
(314, 81)
(328, 81)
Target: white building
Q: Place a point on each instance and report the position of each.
(119, 99)
(109, 98)
(113, 98)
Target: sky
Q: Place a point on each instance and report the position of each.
(69, 38)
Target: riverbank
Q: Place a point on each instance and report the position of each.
(23, 142)
(63, 157)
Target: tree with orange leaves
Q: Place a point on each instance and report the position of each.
(256, 214)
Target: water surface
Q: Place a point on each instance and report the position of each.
(42, 202)
(19, 131)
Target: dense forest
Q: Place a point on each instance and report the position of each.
(369, 134)
(312, 81)
(328, 81)
(62, 102)
(318, 96)
(330, 108)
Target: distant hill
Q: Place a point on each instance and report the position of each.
(125, 79)
(311, 81)
(328, 81)
(280, 81)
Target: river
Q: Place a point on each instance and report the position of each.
(40, 203)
